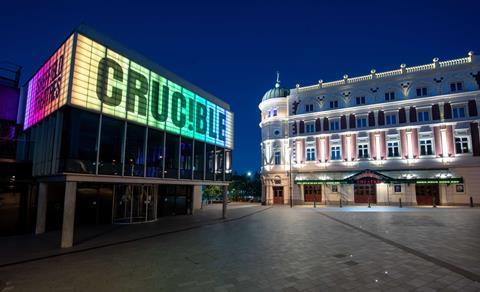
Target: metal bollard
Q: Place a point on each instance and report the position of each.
(340, 203)
(471, 202)
(400, 202)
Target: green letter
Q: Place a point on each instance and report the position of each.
(102, 82)
(221, 126)
(178, 103)
(201, 118)
(159, 116)
(211, 125)
(134, 91)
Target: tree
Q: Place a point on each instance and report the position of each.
(211, 192)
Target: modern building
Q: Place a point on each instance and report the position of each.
(410, 134)
(17, 201)
(118, 139)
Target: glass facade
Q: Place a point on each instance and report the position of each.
(186, 158)
(172, 155)
(134, 150)
(111, 144)
(199, 160)
(141, 152)
(155, 153)
(118, 117)
(79, 141)
(210, 167)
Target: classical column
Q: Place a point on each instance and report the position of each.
(41, 208)
(69, 214)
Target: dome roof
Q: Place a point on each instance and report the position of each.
(277, 91)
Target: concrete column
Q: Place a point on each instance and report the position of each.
(69, 214)
(224, 207)
(41, 208)
(197, 197)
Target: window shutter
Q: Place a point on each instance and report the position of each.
(352, 121)
(435, 112)
(413, 114)
(343, 122)
(371, 119)
(325, 124)
(472, 108)
(447, 110)
(302, 127)
(318, 125)
(402, 116)
(381, 118)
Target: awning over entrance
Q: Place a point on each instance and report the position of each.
(432, 176)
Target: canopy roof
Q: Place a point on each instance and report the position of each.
(367, 176)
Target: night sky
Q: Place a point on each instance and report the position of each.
(234, 49)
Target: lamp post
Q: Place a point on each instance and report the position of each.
(290, 178)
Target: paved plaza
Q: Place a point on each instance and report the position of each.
(262, 249)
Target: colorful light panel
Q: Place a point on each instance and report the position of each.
(48, 88)
(108, 82)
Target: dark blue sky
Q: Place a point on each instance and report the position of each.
(234, 49)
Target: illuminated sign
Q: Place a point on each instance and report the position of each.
(48, 88)
(107, 82)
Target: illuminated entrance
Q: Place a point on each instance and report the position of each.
(365, 193)
(134, 203)
(426, 193)
(365, 186)
(312, 193)
(278, 195)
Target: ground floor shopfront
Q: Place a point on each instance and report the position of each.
(419, 187)
(66, 202)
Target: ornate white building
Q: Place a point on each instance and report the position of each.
(409, 134)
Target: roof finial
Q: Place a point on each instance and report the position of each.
(277, 84)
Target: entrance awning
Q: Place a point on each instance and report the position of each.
(433, 176)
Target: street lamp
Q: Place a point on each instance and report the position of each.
(249, 174)
(290, 178)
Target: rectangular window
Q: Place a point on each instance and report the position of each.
(310, 128)
(456, 86)
(389, 96)
(360, 100)
(309, 108)
(110, 159)
(334, 125)
(422, 91)
(155, 149)
(274, 112)
(426, 147)
(461, 145)
(423, 116)
(458, 112)
(362, 150)
(393, 149)
(134, 150)
(334, 104)
(334, 188)
(310, 153)
(361, 122)
(391, 119)
(398, 188)
(268, 113)
(335, 153)
(277, 157)
(186, 158)
(199, 160)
